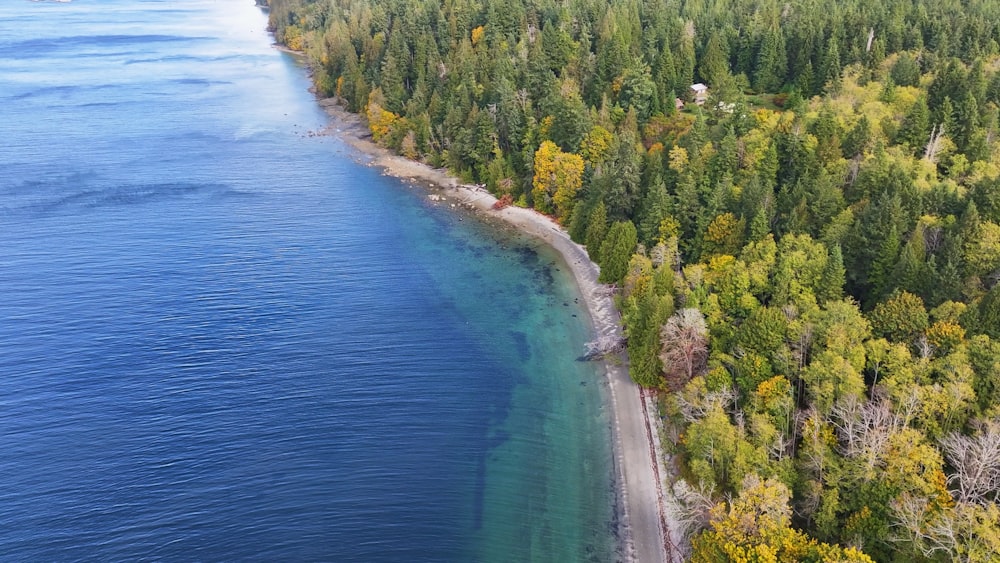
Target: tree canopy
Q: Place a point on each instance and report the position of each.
(808, 261)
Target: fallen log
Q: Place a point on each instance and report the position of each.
(603, 347)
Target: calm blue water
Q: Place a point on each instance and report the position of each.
(223, 339)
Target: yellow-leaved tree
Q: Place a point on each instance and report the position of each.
(477, 35)
(558, 176)
(756, 527)
(596, 145)
(380, 120)
(724, 235)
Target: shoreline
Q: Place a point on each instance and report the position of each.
(644, 529)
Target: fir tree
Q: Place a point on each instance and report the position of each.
(616, 250)
(597, 228)
(831, 285)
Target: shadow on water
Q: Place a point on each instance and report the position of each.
(541, 269)
(180, 59)
(43, 47)
(521, 345)
(113, 196)
(490, 444)
(200, 82)
(62, 91)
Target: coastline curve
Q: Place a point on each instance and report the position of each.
(645, 531)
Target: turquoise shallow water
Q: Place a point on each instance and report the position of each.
(221, 338)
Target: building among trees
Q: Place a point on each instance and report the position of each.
(700, 93)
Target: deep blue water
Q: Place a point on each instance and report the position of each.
(224, 339)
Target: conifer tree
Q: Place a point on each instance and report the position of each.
(828, 77)
(772, 62)
(616, 250)
(831, 285)
(714, 65)
(597, 228)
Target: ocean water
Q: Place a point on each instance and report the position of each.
(222, 338)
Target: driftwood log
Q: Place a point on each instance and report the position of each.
(603, 346)
(606, 290)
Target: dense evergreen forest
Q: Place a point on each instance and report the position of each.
(808, 260)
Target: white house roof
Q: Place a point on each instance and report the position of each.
(699, 87)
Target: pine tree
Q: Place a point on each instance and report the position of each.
(638, 89)
(772, 63)
(570, 121)
(829, 75)
(760, 226)
(665, 77)
(616, 250)
(656, 207)
(881, 272)
(916, 126)
(910, 268)
(714, 65)
(688, 208)
(966, 123)
(392, 77)
(950, 82)
(578, 222)
(597, 228)
(624, 175)
(831, 285)
(945, 116)
(905, 71)
(859, 138)
(685, 64)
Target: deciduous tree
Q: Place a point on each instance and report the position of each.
(901, 318)
(684, 346)
(976, 463)
(558, 176)
(756, 526)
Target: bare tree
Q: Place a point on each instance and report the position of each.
(666, 253)
(695, 404)
(925, 347)
(864, 429)
(933, 236)
(976, 460)
(913, 526)
(694, 510)
(934, 143)
(952, 534)
(685, 346)
(523, 98)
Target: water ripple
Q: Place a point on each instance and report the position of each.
(222, 341)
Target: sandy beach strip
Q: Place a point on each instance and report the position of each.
(645, 530)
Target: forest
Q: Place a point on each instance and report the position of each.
(807, 253)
